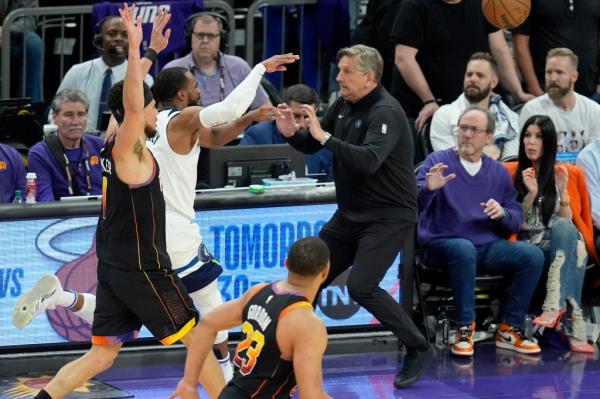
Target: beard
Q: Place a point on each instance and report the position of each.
(474, 94)
(556, 92)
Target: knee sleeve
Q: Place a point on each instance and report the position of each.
(206, 300)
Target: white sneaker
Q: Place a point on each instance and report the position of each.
(36, 300)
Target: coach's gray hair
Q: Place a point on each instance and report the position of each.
(66, 96)
(367, 58)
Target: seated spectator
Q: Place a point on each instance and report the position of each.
(434, 40)
(267, 133)
(217, 73)
(95, 77)
(576, 117)
(67, 164)
(589, 161)
(481, 78)
(557, 220)
(574, 24)
(12, 173)
(24, 39)
(468, 207)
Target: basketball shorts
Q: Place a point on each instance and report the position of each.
(201, 271)
(126, 299)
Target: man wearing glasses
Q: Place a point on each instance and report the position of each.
(467, 208)
(217, 73)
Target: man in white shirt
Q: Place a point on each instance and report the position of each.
(89, 76)
(589, 161)
(481, 77)
(576, 117)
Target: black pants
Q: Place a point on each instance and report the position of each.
(370, 248)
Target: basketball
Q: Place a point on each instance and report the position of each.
(506, 14)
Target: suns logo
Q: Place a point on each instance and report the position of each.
(3, 165)
(26, 387)
(149, 12)
(94, 160)
(68, 242)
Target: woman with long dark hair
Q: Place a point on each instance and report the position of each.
(555, 214)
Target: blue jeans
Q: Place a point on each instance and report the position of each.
(464, 260)
(564, 252)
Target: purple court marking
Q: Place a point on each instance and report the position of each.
(492, 373)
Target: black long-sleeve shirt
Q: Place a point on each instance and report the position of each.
(372, 151)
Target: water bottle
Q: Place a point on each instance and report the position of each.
(18, 198)
(442, 331)
(528, 326)
(31, 187)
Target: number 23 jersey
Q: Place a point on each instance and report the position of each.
(260, 370)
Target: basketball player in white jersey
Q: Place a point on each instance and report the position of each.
(182, 127)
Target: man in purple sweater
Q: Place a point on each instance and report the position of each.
(12, 173)
(468, 207)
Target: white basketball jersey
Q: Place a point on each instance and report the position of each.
(178, 174)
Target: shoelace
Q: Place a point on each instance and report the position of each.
(517, 331)
(464, 333)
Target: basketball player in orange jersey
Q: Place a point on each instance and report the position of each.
(136, 284)
(284, 340)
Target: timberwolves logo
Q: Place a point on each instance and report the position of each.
(335, 301)
(68, 241)
(358, 124)
(154, 139)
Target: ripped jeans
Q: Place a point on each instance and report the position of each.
(565, 253)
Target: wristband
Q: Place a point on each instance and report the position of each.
(325, 138)
(430, 101)
(564, 203)
(150, 54)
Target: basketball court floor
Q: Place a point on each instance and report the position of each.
(364, 369)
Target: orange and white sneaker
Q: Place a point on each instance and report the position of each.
(463, 344)
(513, 338)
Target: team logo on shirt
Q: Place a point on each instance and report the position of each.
(383, 128)
(358, 124)
(94, 160)
(3, 165)
(154, 139)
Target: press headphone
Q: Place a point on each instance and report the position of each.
(221, 20)
(97, 40)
